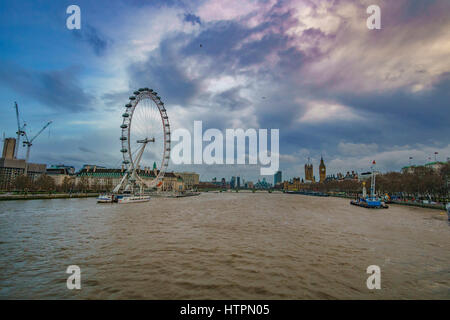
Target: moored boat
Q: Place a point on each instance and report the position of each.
(132, 198)
(309, 193)
(372, 201)
(122, 198)
(105, 198)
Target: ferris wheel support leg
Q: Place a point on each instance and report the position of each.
(134, 175)
(139, 157)
(117, 188)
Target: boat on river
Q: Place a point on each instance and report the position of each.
(122, 198)
(132, 198)
(372, 201)
(309, 193)
(105, 198)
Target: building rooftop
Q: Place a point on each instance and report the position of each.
(433, 163)
(51, 171)
(112, 172)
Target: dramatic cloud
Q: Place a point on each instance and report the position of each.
(165, 74)
(309, 68)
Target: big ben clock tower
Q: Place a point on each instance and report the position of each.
(322, 171)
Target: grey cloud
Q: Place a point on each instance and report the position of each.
(57, 89)
(230, 99)
(224, 40)
(256, 51)
(192, 18)
(420, 117)
(217, 40)
(98, 42)
(115, 100)
(162, 72)
(86, 150)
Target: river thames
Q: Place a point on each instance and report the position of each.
(222, 246)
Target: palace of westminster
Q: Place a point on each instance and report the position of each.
(310, 177)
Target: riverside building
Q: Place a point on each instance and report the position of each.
(11, 167)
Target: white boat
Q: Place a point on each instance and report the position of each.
(132, 198)
(105, 198)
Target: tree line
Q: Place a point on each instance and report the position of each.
(45, 183)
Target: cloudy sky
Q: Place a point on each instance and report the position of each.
(310, 68)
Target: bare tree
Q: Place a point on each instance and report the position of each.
(23, 183)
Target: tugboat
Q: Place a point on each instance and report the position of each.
(372, 202)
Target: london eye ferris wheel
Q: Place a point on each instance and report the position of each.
(145, 138)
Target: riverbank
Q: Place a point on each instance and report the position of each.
(6, 197)
(421, 205)
(42, 196)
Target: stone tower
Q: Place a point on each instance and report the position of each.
(322, 171)
(309, 175)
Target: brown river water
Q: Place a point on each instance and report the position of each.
(222, 246)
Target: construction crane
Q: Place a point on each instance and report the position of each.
(20, 131)
(29, 143)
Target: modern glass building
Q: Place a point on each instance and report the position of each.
(277, 178)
